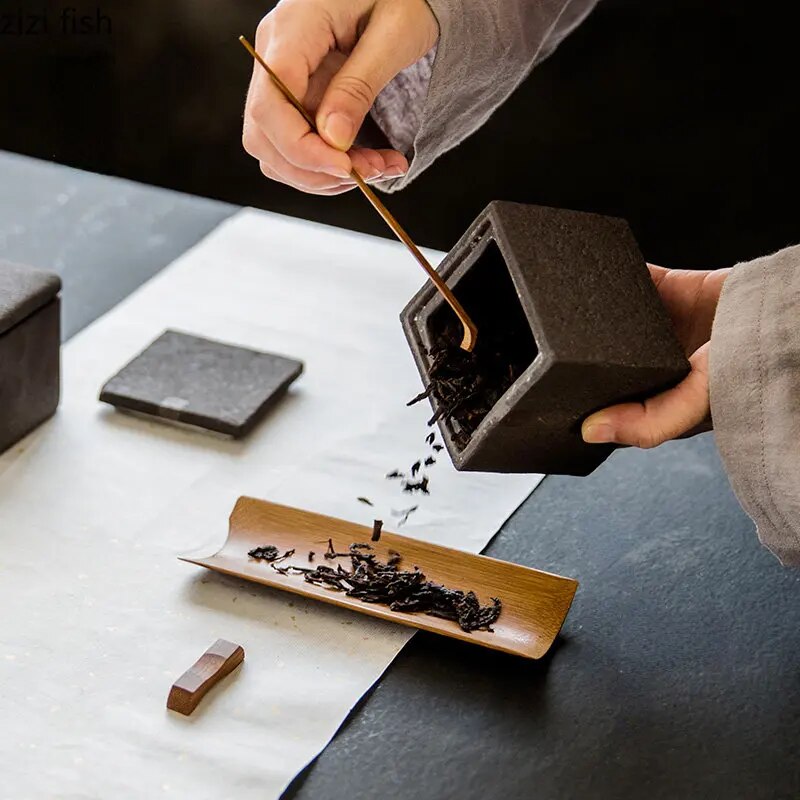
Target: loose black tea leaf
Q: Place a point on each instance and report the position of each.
(464, 386)
(430, 438)
(310, 555)
(395, 474)
(377, 527)
(404, 515)
(430, 461)
(266, 553)
(274, 561)
(331, 553)
(438, 448)
(421, 396)
(373, 581)
(415, 467)
(366, 501)
(419, 486)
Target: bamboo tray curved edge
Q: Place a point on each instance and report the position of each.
(535, 603)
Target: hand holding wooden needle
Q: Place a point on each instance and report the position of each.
(336, 56)
(470, 330)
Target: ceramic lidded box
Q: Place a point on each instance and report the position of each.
(30, 337)
(569, 296)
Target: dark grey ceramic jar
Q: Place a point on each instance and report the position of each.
(29, 349)
(573, 293)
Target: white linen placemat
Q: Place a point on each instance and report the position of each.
(99, 616)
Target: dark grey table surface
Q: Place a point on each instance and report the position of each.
(677, 672)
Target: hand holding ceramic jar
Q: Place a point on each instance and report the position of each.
(335, 56)
(691, 300)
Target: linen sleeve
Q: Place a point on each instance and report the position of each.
(755, 395)
(485, 49)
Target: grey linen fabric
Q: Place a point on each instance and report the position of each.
(485, 49)
(755, 395)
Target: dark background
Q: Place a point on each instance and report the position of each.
(680, 116)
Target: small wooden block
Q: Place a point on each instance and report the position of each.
(219, 660)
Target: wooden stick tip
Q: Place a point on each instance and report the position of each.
(470, 339)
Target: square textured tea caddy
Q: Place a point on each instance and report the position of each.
(574, 291)
(30, 342)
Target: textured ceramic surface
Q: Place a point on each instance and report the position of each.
(24, 290)
(29, 350)
(207, 384)
(600, 334)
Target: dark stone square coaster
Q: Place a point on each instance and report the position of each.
(207, 384)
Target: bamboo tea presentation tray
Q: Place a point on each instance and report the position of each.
(535, 603)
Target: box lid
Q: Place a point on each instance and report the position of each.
(23, 291)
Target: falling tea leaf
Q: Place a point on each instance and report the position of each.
(404, 515)
(419, 486)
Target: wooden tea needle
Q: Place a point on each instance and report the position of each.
(470, 330)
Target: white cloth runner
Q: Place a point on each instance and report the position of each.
(99, 616)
